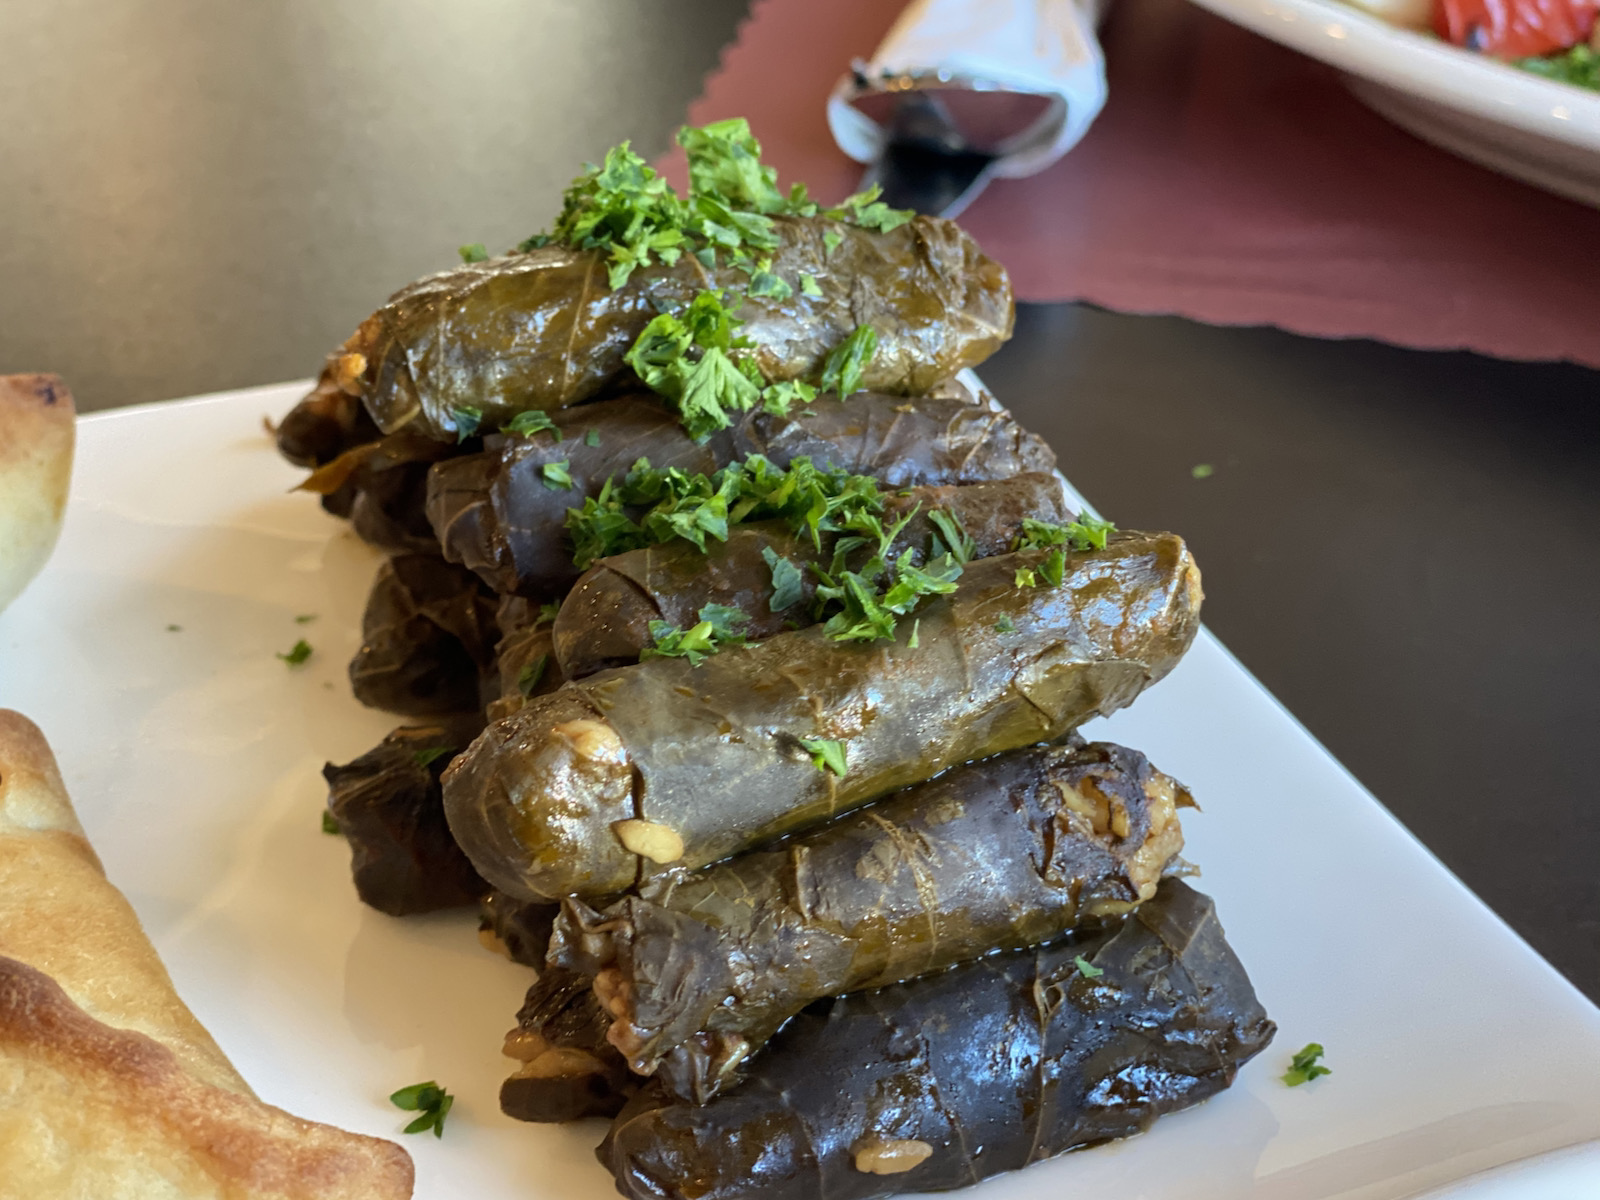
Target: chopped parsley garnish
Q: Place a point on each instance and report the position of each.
(827, 754)
(592, 438)
(951, 536)
(429, 1099)
(330, 823)
(869, 610)
(1005, 625)
(626, 209)
(468, 419)
(174, 628)
(1303, 1068)
(556, 476)
(305, 618)
(430, 755)
(528, 678)
(474, 252)
(913, 642)
(767, 286)
(1202, 470)
(298, 653)
(788, 580)
(777, 398)
(531, 421)
(1086, 968)
(868, 600)
(720, 627)
(841, 372)
(1024, 577)
(705, 388)
(1085, 534)
(547, 612)
(864, 208)
(1054, 567)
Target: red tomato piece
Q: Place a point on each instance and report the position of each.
(1515, 28)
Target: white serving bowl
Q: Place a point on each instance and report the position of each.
(1500, 116)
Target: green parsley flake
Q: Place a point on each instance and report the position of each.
(778, 398)
(951, 536)
(1202, 470)
(626, 209)
(1303, 1068)
(1085, 534)
(474, 252)
(1005, 625)
(431, 1100)
(547, 612)
(830, 242)
(592, 438)
(330, 823)
(1024, 577)
(705, 388)
(530, 675)
(865, 209)
(841, 371)
(429, 756)
(914, 641)
(468, 419)
(1087, 969)
(809, 285)
(765, 285)
(827, 754)
(788, 581)
(720, 627)
(531, 421)
(174, 628)
(305, 618)
(1054, 567)
(556, 476)
(298, 653)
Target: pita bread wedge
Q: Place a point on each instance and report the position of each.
(36, 433)
(110, 1089)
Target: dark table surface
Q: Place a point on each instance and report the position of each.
(1404, 547)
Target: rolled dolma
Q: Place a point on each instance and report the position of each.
(929, 440)
(388, 806)
(568, 1069)
(686, 765)
(605, 619)
(697, 972)
(503, 513)
(936, 1084)
(544, 329)
(427, 639)
(327, 422)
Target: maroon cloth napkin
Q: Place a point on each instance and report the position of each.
(1229, 180)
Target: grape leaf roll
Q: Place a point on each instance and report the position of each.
(543, 329)
(939, 1083)
(686, 765)
(698, 971)
(605, 619)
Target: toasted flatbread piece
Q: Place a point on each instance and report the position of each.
(36, 432)
(110, 1089)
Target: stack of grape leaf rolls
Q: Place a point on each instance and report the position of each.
(753, 645)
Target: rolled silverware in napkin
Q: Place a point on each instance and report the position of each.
(964, 91)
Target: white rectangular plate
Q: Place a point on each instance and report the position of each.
(194, 756)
